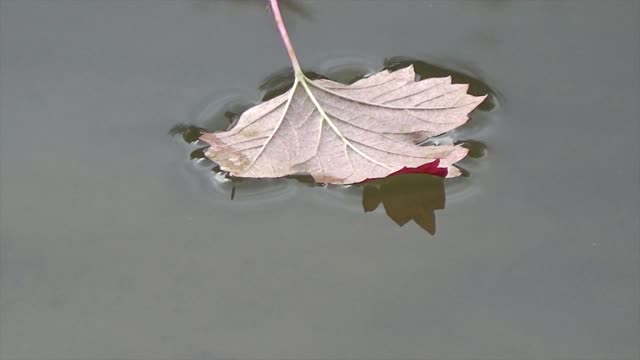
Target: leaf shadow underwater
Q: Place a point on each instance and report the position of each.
(407, 197)
(404, 198)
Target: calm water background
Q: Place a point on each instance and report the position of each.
(114, 244)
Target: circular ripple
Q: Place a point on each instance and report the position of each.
(347, 68)
(253, 191)
(219, 114)
(459, 189)
(346, 197)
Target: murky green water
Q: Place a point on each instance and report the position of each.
(116, 244)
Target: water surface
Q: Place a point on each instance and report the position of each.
(116, 244)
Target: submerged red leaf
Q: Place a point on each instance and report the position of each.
(430, 168)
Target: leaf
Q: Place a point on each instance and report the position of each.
(344, 134)
(425, 70)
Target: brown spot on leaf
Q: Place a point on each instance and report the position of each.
(229, 158)
(247, 132)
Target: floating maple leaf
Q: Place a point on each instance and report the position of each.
(344, 134)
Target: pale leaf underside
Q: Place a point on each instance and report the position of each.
(343, 134)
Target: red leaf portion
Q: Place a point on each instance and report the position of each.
(430, 168)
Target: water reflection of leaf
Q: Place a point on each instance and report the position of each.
(407, 197)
